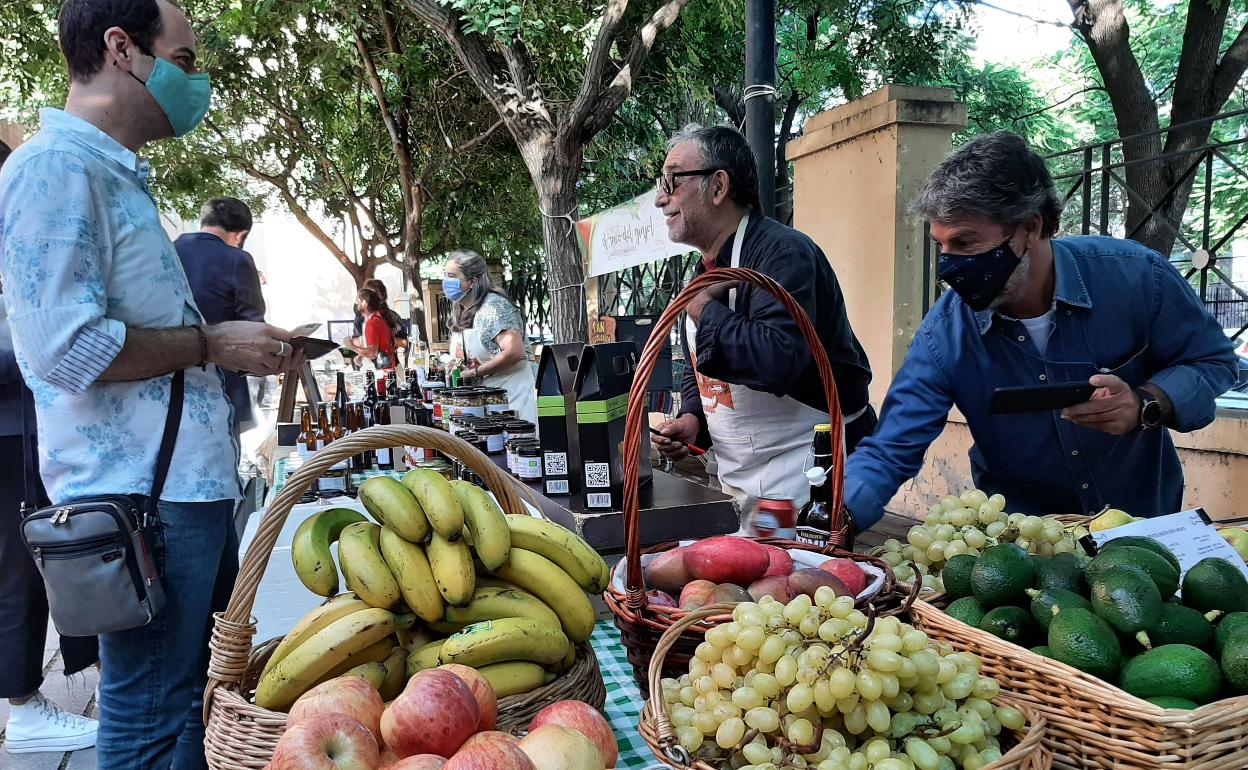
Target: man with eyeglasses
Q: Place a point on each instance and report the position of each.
(1027, 309)
(752, 390)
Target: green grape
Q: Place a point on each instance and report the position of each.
(824, 699)
(707, 652)
(1044, 549)
(951, 503)
(974, 538)
(998, 500)
(841, 607)
(991, 754)
(892, 763)
(801, 732)
(877, 750)
(980, 706)
(986, 688)
(717, 637)
(706, 723)
(763, 719)
(690, 738)
(682, 716)
(885, 639)
(1051, 531)
(892, 545)
(1063, 546)
(751, 616)
(723, 675)
(903, 702)
(842, 683)
(751, 638)
(1031, 527)
(771, 649)
(766, 685)
(730, 733)
(800, 697)
(967, 662)
(913, 640)
(936, 551)
(884, 659)
(931, 583)
(846, 705)
(756, 753)
(878, 716)
(890, 686)
(1011, 718)
(995, 529)
(704, 684)
(904, 574)
(959, 687)
(1014, 519)
(810, 625)
(921, 754)
(948, 670)
(746, 698)
(688, 695)
(973, 760)
(928, 703)
(725, 711)
(786, 671)
(966, 734)
(858, 761)
(892, 558)
(919, 537)
(926, 663)
(857, 619)
(856, 720)
(944, 532)
(806, 675)
(869, 685)
(739, 656)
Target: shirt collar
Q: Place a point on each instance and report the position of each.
(92, 137)
(1068, 286)
(724, 258)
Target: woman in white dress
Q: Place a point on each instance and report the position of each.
(487, 333)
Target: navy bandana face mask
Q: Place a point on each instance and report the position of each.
(978, 278)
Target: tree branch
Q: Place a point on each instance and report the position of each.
(1231, 69)
(398, 140)
(593, 80)
(599, 115)
(731, 103)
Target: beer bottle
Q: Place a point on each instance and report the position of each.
(363, 459)
(333, 481)
(340, 397)
(814, 520)
(385, 455)
(306, 443)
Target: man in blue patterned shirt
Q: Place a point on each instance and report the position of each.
(1029, 309)
(101, 316)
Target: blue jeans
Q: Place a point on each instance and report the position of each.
(152, 678)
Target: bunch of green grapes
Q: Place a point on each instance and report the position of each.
(818, 684)
(968, 524)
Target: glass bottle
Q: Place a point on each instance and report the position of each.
(814, 520)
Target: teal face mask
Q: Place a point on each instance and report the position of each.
(183, 98)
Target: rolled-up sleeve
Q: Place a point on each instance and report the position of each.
(914, 414)
(1194, 360)
(54, 252)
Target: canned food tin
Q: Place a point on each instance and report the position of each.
(774, 517)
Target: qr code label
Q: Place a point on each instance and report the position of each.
(559, 487)
(556, 463)
(597, 474)
(598, 500)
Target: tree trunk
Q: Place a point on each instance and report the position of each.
(555, 170)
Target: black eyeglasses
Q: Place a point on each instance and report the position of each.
(666, 183)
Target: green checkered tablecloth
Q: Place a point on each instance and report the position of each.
(624, 702)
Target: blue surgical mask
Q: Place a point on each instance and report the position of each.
(978, 278)
(183, 98)
(454, 289)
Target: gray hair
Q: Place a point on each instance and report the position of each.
(725, 148)
(475, 269)
(994, 175)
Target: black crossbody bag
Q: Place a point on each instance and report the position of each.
(97, 555)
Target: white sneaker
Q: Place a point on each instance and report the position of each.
(40, 725)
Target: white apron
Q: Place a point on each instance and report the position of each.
(519, 380)
(761, 440)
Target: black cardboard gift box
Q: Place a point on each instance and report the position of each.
(556, 418)
(602, 392)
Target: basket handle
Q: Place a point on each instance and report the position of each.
(233, 629)
(635, 421)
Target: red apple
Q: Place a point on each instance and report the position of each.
(487, 736)
(584, 719)
(555, 747)
(350, 695)
(779, 562)
(490, 754)
(326, 742)
(418, 762)
(434, 714)
(849, 572)
(481, 690)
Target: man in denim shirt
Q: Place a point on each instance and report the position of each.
(101, 316)
(1028, 309)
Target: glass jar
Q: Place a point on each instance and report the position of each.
(529, 462)
(493, 436)
(520, 429)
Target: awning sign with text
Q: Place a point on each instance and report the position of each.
(633, 233)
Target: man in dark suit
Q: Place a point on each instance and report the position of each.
(224, 280)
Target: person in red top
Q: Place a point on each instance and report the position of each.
(378, 343)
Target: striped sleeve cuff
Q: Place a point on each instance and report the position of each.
(92, 352)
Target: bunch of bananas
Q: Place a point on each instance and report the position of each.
(442, 577)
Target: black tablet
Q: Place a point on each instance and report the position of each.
(1039, 398)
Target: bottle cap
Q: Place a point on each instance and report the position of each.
(816, 476)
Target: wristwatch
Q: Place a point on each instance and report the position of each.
(1150, 410)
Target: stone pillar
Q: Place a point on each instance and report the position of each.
(856, 168)
(12, 134)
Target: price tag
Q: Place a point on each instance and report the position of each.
(1188, 535)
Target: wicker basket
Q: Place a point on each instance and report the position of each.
(641, 625)
(656, 729)
(1093, 725)
(241, 735)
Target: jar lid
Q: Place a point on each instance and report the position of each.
(489, 430)
(529, 451)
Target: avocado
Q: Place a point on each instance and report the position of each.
(1215, 584)
(1171, 702)
(1078, 638)
(1159, 570)
(1146, 543)
(1060, 571)
(1181, 625)
(1127, 599)
(1001, 576)
(1179, 670)
(1235, 663)
(1233, 625)
(967, 609)
(956, 575)
(1043, 651)
(1043, 602)
(1013, 624)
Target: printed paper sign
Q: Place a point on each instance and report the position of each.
(631, 234)
(1189, 535)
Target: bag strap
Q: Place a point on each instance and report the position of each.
(28, 449)
(172, 422)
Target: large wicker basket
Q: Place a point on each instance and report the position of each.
(641, 624)
(1028, 753)
(241, 735)
(1093, 725)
